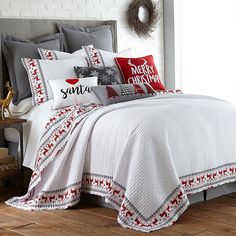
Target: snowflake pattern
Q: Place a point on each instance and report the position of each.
(106, 75)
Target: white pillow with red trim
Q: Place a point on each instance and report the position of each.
(41, 71)
(46, 54)
(67, 92)
(98, 57)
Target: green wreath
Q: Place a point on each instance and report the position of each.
(143, 29)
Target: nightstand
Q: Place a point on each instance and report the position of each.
(16, 169)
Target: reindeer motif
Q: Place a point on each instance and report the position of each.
(4, 103)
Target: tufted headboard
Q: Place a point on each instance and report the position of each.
(34, 28)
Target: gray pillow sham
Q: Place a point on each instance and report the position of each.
(110, 94)
(14, 49)
(108, 75)
(75, 37)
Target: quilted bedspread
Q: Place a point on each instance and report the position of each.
(150, 155)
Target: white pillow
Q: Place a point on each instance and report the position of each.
(46, 54)
(41, 71)
(67, 92)
(97, 57)
(22, 108)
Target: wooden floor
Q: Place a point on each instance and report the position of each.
(213, 218)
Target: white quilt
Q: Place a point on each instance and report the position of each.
(143, 156)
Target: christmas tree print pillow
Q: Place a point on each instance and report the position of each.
(106, 75)
(67, 92)
(140, 70)
(110, 94)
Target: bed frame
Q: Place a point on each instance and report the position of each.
(34, 28)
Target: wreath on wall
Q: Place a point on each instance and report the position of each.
(146, 27)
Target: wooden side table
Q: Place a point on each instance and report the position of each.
(17, 124)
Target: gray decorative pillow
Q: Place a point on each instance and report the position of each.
(75, 37)
(14, 49)
(106, 75)
(110, 94)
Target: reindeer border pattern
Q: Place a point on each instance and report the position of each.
(37, 81)
(47, 54)
(94, 56)
(174, 205)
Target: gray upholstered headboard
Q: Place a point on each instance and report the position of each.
(34, 28)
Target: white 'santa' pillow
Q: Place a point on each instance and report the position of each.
(67, 92)
(46, 54)
(41, 71)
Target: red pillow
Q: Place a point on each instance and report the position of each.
(140, 70)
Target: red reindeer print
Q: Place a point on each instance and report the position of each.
(36, 78)
(62, 131)
(214, 175)
(73, 192)
(41, 100)
(123, 207)
(155, 221)
(163, 214)
(191, 181)
(180, 195)
(40, 91)
(184, 183)
(34, 72)
(129, 214)
(116, 192)
(56, 136)
(61, 197)
(137, 221)
(101, 182)
(68, 124)
(45, 151)
(51, 198)
(66, 194)
(174, 202)
(44, 198)
(32, 63)
(96, 182)
(209, 176)
(168, 209)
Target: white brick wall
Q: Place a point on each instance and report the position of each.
(90, 9)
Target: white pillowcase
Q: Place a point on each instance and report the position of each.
(97, 57)
(46, 54)
(73, 91)
(41, 71)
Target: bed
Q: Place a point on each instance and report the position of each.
(149, 166)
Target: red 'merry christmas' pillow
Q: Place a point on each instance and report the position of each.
(140, 70)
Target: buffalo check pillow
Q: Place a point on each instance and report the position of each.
(111, 94)
(140, 70)
(67, 92)
(41, 71)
